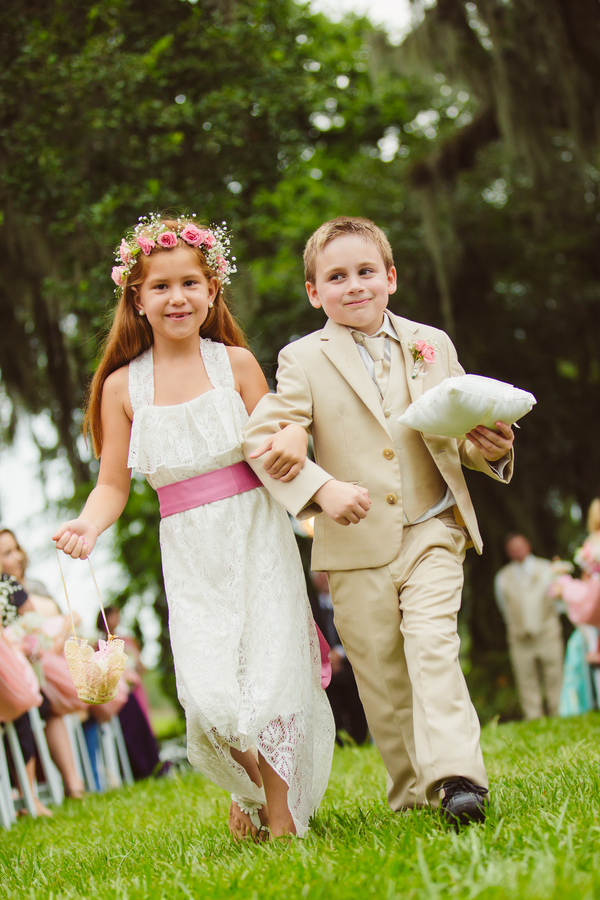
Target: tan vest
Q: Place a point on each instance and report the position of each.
(422, 483)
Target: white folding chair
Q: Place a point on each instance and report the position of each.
(7, 806)
(122, 751)
(115, 762)
(111, 773)
(80, 751)
(53, 790)
(21, 771)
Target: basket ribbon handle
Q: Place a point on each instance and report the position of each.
(108, 634)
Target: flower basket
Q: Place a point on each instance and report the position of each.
(96, 673)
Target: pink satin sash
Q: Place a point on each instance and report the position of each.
(206, 488)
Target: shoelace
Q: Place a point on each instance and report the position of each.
(460, 785)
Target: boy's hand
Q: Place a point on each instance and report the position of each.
(492, 444)
(76, 538)
(345, 503)
(284, 452)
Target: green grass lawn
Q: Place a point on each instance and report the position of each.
(169, 839)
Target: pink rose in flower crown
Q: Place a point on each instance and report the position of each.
(425, 350)
(167, 239)
(208, 239)
(145, 243)
(221, 263)
(192, 235)
(118, 275)
(125, 252)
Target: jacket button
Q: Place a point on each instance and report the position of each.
(387, 413)
(389, 454)
(391, 498)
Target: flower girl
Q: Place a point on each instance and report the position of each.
(170, 397)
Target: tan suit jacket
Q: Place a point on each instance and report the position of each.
(324, 386)
(523, 597)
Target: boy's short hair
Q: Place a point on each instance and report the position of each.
(328, 231)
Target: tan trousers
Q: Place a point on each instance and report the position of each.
(538, 667)
(398, 626)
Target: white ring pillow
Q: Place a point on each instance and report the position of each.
(459, 404)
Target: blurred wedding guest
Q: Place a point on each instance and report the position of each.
(19, 692)
(534, 633)
(582, 595)
(14, 561)
(58, 687)
(134, 716)
(342, 692)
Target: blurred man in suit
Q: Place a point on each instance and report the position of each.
(534, 634)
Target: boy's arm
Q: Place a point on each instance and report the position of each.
(291, 404)
(470, 455)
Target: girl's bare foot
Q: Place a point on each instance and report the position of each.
(241, 825)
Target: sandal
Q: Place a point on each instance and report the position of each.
(251, 809)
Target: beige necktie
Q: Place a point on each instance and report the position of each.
(375, 347)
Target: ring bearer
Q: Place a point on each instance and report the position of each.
(396, 577)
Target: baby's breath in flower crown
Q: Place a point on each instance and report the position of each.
(151, 231)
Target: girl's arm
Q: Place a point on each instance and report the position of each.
(107, 501)
(285, 451)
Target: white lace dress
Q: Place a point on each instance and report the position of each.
(244, 643)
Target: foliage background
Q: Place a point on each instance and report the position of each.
(474, 144)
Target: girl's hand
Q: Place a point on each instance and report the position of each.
(284, 452)
(492, 444)
(76, 538)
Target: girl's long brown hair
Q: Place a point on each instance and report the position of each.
(131, 334)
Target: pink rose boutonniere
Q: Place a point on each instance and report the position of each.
(423, 352)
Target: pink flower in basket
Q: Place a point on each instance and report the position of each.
(103, 650)
(96, 674)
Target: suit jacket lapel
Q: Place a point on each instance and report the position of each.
(407, 332)
(339, 347)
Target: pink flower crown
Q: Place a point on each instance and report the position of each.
(152, 231)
